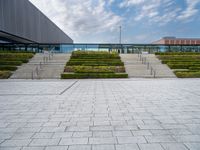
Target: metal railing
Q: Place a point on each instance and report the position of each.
(35, 74)
(146, 62)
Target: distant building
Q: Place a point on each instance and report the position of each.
(178, 41)
(22, 22)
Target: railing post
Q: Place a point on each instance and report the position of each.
(151, 71)
(32, 75)
(40, 65)
(148, 65)
(154, 74)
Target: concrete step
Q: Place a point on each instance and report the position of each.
(48, 70)
(135, 67)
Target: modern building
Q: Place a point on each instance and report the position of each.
(178, 41)
(22, 22)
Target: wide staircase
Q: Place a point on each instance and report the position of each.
(145, 66)
(42, 67)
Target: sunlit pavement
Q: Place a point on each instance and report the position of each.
(116, 114)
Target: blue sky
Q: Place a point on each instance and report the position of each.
(142, 21)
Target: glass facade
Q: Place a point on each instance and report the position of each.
(120, 48)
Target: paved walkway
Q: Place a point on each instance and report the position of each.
(122, 114)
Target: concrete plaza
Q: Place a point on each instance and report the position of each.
(115, 114)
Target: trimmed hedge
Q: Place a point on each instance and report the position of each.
(190, 61)
(15, 63)
(105, 69)
(7, 67)
(182, 66)
(177, 53)
(183, 74)
(94, 54)
(92, 75)
(24, 60)
(16, 55)
(94, 63)
(180, 61)
(5, 74)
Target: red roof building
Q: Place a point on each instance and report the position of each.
(178, 41)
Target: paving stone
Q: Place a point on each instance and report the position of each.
(102, 140)
(22, 135)
(141, 132)
(150, 147)
(42, 135)
(174, 146)
(193, 146)
(33, 148)
(16, 143)
(122, 133)
(62, 134)
(159, 139)
(10, 148)
(127, 147)
(80, 147)
(73, 141)
(82, 134)
(103, 147)
(57, 148)
(102, 134)
(44, 142)
(130, 140)
(187, 138)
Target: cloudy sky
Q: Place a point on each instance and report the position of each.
(142, 21)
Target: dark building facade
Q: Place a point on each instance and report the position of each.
(22, 22)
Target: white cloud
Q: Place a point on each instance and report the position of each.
(161, 12)
(190, 11)
(128, 3)
(81, 18)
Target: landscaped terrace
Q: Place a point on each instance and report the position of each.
(10, 60)
(90, 64)
(184, 64)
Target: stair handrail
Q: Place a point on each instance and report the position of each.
(145, 61)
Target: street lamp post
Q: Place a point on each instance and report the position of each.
(120, 34)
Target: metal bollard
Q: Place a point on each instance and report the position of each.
(44, 60)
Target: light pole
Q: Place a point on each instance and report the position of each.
(120, 34)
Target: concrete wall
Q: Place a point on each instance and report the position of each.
(21, 18)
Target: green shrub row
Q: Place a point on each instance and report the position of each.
(94, 54)
(94, 63)
(177, 53)
(7, 67)
(105, 69)
(92, 75)
(180, 61)
(16, 55)
(14, 63)
(24, 60)
(182, 66)
(5, 74)
(189, 74)
(194, 68)
(95, 59)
